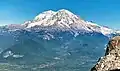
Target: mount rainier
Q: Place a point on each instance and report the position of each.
(53, 41)
(62, 20)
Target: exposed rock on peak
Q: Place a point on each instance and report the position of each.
(44, 15)
(65, 12)
(111, 60)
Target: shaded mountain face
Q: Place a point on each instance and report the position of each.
(56, 41)
(51, 50)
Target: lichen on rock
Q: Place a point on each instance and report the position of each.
(111, 60)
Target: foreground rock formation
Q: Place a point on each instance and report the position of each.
(111, 60)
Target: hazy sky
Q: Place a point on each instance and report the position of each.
(103, 12)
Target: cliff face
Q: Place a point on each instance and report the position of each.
(111, 60)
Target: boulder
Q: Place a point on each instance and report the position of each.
(111, 60)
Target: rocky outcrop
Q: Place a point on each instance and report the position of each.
(111, 60)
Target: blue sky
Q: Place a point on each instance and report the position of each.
(103, 12)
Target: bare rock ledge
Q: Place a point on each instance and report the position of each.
(111, 60)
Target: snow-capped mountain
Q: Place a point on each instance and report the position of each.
(62, 20)
(51, 41)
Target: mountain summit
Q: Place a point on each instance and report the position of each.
(66, 20)
(62, 20)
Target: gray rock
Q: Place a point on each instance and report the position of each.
(111, 60)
